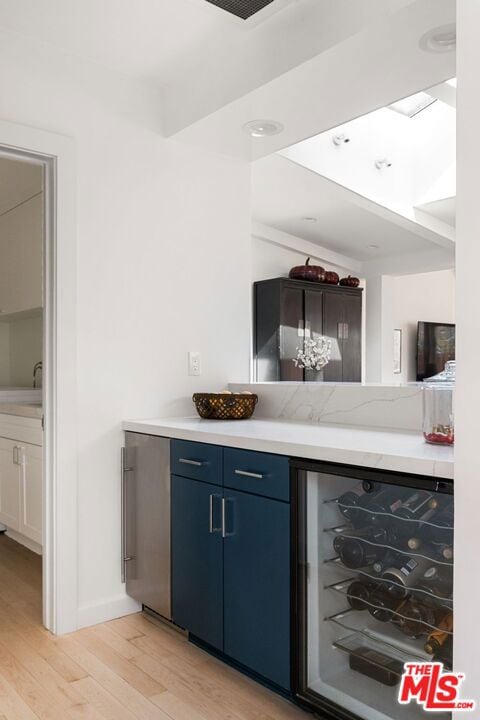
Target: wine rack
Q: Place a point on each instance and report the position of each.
(418, 608)
(375, 586)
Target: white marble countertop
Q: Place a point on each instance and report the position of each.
(383, 449)
(21, 409)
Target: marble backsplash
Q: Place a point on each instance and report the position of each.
(392, 407)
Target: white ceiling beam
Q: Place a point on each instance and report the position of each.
(410, 263)
(444, 92)
(368, 70)
(305, 247)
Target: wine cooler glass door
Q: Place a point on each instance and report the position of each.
(374, 579)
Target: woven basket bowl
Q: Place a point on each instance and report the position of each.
(215, 406)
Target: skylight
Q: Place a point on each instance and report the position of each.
(414, 104)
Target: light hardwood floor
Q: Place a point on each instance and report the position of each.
(127, 669)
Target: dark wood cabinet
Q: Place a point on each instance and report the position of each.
(287, 311)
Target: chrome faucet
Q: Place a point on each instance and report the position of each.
(37, 367)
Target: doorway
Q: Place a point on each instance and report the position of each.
(24, 343)
(53, 158)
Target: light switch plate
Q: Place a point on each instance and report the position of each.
(194, 363)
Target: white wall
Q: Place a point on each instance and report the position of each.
(270, 260)
(426, 296)
(163, 267)
(25, 349)
(467, 463)
(4, 355)
(400, 302)
(21, 237)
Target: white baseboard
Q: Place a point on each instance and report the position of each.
(95, 614)
(22, 540)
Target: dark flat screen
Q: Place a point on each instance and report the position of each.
(435, 347)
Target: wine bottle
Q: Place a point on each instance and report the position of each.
(358, 594)
(439, 529)
(438, 638)
(417, 506)
(438, 581)
(408, 573)
(417, 509)
(362, 547)
(383, 605)
(373, 508)
(348, 502)
(415, 618)
(442, 551)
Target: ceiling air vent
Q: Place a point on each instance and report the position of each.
(243, 9)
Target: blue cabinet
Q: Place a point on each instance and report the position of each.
(197, 559)
(231, 557)
(256, 585)
(198, 461)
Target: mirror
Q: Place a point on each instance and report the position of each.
(374, 198)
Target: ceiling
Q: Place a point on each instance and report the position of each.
(19, 181)
(444, 210)
(284, 194)
(178, 46)
(365, 63)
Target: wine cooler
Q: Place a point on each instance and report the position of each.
(374, 582)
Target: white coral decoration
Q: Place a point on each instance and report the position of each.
(314, 354)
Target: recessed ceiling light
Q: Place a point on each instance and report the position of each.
(372, 247)
(262, 128)
(310, 219)
(440, 39)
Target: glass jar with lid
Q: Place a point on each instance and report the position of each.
(438, 406)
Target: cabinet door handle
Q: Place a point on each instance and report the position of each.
(301, 330)
(124, 513)
(185, 461)
(245, 473)
(211, 528)
(340, 331)
(345, 331)
(18, 458)
(308, 329)
(225, 534)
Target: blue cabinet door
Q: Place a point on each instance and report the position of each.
(257, 584)
(197, 559)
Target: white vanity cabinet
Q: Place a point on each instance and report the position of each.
(9, 484)
(21, 473)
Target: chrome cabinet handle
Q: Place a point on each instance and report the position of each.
(245, 473)
(125, 558)
(123, 534)
(17, 459)
(211, 528)
(185, 461)
(345, 331)
(226, 534)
